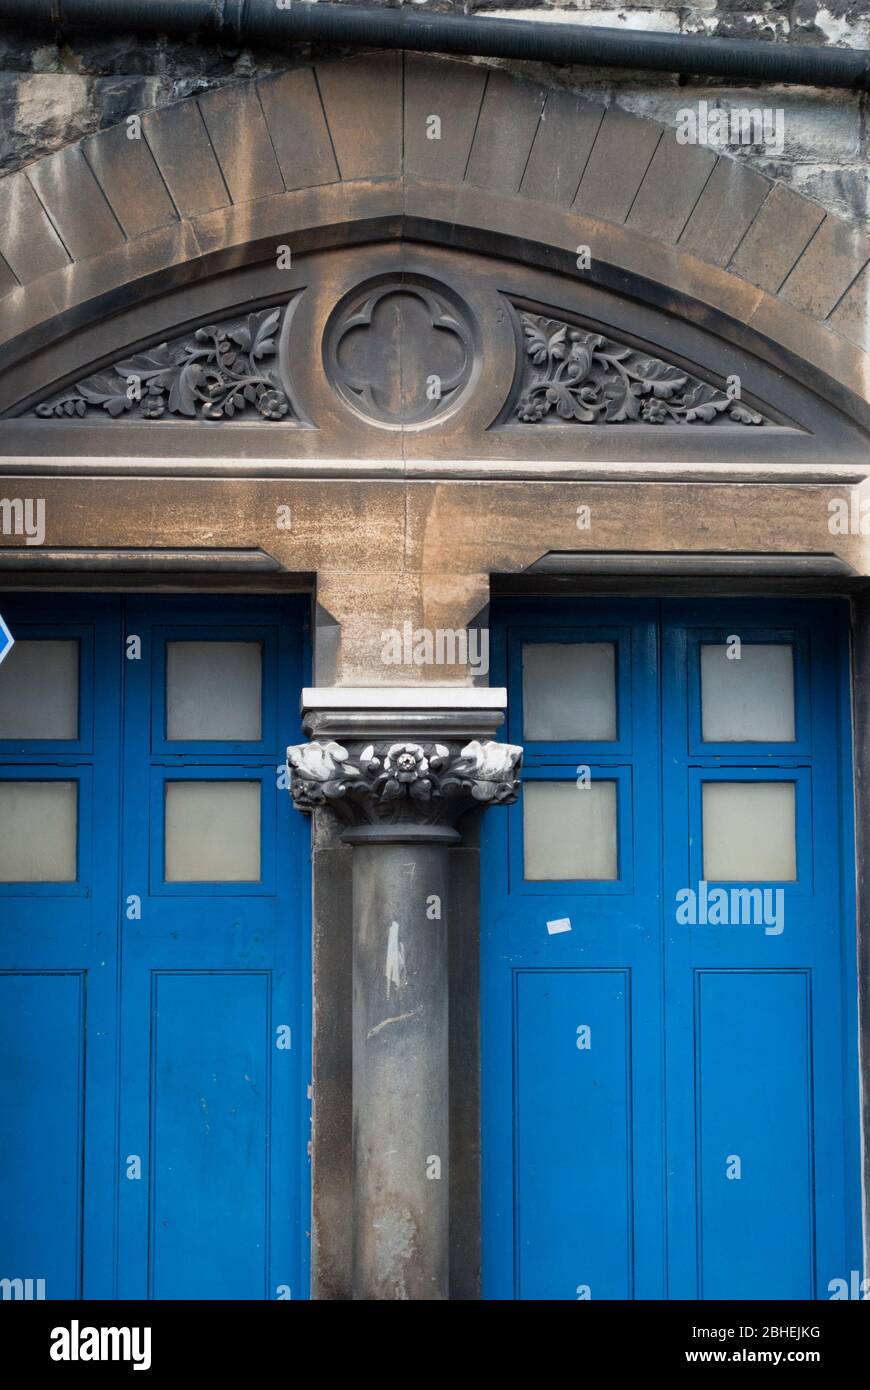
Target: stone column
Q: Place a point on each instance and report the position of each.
(399, 793)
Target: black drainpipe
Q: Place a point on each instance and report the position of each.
(234, 22)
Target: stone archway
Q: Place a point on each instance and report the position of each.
(350, 148)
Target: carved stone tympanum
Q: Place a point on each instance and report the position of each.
(403, 351)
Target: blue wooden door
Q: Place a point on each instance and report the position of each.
(668, 979)
(153, 952)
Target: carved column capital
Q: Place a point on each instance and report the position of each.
(402, 789)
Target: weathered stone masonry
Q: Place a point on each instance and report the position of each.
(51, 94)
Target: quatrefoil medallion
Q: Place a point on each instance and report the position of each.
(399, 352)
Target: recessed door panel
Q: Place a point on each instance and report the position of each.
(573, 1158)
(42, 1044)
(210, 1082)
(754, 1105)
(574, 1207)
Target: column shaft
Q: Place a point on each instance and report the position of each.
(400, 1072)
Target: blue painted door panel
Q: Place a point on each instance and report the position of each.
(579, 1225)
(604, 973)
(210, 1144)
(754, 1107)
(670, 1103)
(761, 1024)
(59, 985)
(42, 1043)
(163, 1154)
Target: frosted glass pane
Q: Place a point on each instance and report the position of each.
(569, 831)
(749, 831)
(212, 832)
(569, 691)
(213, 690)
(38, 832)
(749, 699)
(39, 690)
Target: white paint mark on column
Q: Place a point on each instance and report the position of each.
(399, 1018)
(395, 971)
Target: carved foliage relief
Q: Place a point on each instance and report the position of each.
(218, 372)
(400, 353)
(580, 377)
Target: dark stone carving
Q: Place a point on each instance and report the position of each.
(388, 782)
(217, 372)
(399, 352)
(572, 375)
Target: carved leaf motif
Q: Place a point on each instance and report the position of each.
(106, 391)
(580, 361)
(704, 403)
(253, 336)
(573, 375)
(664, 379)
(159, 361)
(569, 404)
(622, 403)
(544, 346)
(744, 416)
(182, 392)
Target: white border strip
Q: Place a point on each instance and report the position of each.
(129, 469)
(424, 697)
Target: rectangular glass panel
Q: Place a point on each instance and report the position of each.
(38, 832)
(212, 832)
(213, 691)
(39, 690)
(570, 831)
(747, 698)
(749, 831)
(569, 691)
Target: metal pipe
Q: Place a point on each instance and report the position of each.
(279, 22)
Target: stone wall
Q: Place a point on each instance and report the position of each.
(54, 92)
